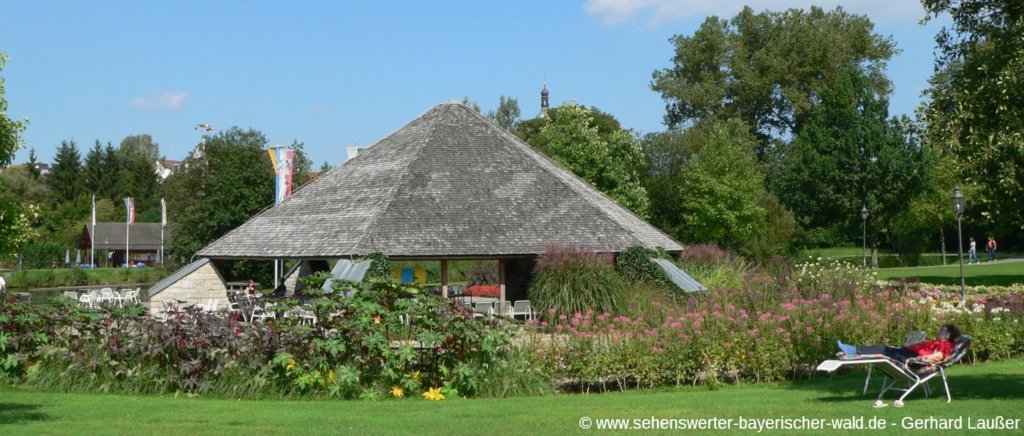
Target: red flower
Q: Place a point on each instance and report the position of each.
(491, 291)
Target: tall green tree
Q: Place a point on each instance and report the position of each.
(975, 110)
(608, 163)
(225, 182)
(109, 182)
(706, 186)
(507, 114)
(33, 170)
(850, 155)
(768, 69)
(10, 130)
(66, 174)
(92, 170)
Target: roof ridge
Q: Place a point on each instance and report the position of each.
(535, 154)
(390, 198)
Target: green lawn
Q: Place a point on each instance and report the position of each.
(1004, 273)
(986, 391)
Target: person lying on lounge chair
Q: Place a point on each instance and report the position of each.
(933, 351)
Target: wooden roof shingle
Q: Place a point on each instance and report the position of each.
(449, 184)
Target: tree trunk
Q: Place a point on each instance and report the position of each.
(942, 242)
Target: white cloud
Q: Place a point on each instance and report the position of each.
(657, 12)
(160, 100)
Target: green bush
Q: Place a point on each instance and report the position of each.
(568, 280)
(634, 264)
(380, 266)
(79, 277)
(42, 255)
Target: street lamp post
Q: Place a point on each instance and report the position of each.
(864, 235)
(958, 207)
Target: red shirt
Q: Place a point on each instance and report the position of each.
(925, 348)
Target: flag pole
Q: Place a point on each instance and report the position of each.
(92, 235)
(163, 223)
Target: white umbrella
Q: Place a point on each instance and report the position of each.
(78, 257)
(67, 257)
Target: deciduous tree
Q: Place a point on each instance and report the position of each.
(849, 155)
(10, 130)
(220, 186)
(608, 163)
(768, 69)
(976, 107)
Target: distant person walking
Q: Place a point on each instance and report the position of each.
(991, 248)
(972, 253)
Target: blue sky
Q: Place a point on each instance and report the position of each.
(333, 74)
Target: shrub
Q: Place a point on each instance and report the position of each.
(714, 267)
(41, 255)
(635, 265)
(380, 266)
(79, 277)
(571, 279)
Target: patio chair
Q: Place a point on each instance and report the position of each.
(87, 300)
(522, 308)
(913, 337)
(105, 295)
(912, 374)
(261, 313)
(481, 308)
(133, 296)
(71, 294)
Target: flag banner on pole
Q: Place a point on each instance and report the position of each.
(163, 213)
(129, 205)
(94, 210)
(282, 159)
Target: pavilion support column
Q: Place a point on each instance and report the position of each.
(444, 278)
(501, 286)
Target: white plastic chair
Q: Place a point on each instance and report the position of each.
(132, 296)
(261, 313)
(483, 309)
(522, 307)
(87, 300)
(105, 295)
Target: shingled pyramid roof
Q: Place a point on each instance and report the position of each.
(449, 184)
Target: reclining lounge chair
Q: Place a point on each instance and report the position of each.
(913, 373)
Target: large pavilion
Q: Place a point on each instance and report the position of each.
(447, 185)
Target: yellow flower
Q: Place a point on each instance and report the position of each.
(330, 376)
(415, 375)
(434, 394)
(397, 391)
(376, 319)
(290, 366)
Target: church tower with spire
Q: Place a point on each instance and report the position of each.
(544, 101)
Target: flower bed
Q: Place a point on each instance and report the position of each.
(361, 348)
(773, 329)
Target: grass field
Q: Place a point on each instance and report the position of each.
(1003, 273)
(984, 391)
